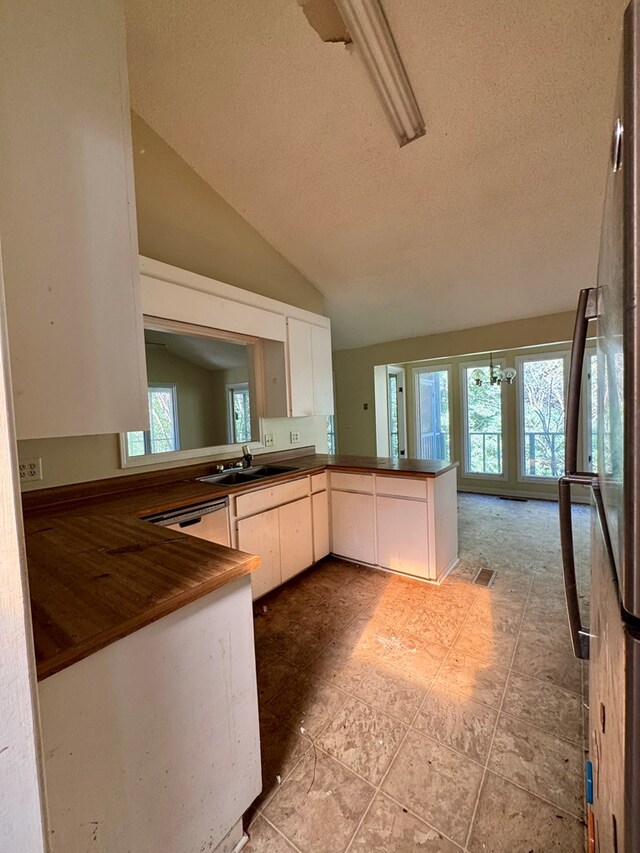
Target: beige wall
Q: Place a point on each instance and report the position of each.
(198, 415)
(354, 378)
(182, 221)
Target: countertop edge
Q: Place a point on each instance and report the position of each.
(93, 644)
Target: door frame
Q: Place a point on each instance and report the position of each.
(401, 379)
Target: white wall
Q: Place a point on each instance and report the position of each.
(21, 821)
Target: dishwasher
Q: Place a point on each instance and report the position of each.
(208, 520)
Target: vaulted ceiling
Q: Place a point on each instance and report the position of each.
(493, 215)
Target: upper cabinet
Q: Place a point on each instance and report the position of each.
(309, 369)
(294, 366)
(68, 220)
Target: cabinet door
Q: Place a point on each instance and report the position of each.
(320, 506)
(296, 538)
(322, 371)
(403, 536)
(352, 526)
(67, 205)
(300, 366)
(260, 535)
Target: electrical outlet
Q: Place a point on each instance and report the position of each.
(268, 439)
(295, 437)
(30, 469)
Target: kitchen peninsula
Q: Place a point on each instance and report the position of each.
(144, 636)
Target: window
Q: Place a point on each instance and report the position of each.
(541, 383)
(239, 413)
(483, 444)
(331, 434)
(162, 436)
(393, 415)
(396, 412)
(432, 413)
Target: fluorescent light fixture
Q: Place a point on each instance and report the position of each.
(368, 27)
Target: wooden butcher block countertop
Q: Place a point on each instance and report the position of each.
(98, 571)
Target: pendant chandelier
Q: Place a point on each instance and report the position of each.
(497, 375)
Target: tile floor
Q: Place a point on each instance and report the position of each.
(399, 716)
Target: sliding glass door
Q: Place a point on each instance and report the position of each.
(433, 407)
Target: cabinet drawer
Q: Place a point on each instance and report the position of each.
(261, 499)
(319, 482)
(352, 482)
(403, 487)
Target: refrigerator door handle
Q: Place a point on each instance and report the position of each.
(579, 634)
(587, 305)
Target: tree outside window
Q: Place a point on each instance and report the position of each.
(542, 390)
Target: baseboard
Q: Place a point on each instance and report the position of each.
(521, 493)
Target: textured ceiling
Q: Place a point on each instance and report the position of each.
(493, 215)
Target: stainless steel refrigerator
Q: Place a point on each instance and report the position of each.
(611, 641)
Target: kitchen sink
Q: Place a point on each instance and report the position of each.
(246, 475)
(268, 470)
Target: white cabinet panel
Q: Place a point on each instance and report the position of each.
(296, 538)
(403, 536)
(319, 482)
(260, 535)
(262, 499)
(321, 370)
(404, 487)
(152, 744)
(321, 543)
(351, 482)
(310, 371)
(300, 368)
(352, 526)
(69, 240)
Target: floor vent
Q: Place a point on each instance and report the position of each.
(512, 498)
(485, 577)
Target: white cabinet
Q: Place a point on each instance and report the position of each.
(405, 524)
(300, 363)
(309, 369)
(296, 537)
(321, 541)
(353, 526)
(260, 534)
(322, 370)
(282, 536)
(152, 744)
(402, 532)
(69, 239)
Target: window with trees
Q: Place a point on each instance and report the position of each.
(162, 435)
(483, 422)
(331, 434)
(239, 413)
(433, 413)
(541, 380)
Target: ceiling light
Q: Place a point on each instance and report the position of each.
(497, 375)
(368, 27)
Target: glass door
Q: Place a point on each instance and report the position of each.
(396, 413)
(433, 429)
